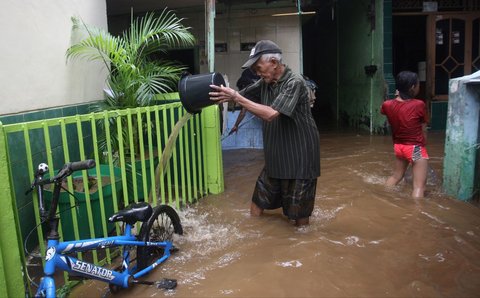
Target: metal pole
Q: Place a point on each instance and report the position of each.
(300, 52)
(211, 115)
(210, 31)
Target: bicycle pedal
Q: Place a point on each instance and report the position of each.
(174, 249)
(166, 283)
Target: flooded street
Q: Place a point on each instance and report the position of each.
(363, 241)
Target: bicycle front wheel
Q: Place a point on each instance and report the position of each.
(161, 226)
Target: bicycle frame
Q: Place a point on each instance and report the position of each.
(57, 254)
(56, 258)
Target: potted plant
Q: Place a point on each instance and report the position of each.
(135, 75)
(79, 190)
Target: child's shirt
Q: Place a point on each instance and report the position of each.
(406, 119)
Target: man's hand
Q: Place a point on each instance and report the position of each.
(222, 94)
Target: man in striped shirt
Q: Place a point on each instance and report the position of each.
(290, 136)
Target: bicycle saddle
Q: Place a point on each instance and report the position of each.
(133, 213)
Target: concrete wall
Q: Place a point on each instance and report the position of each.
(242, 26)
(234, 27)
(35, 37)
(462, 142)
(247, 26)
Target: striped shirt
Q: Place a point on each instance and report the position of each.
(291, 141)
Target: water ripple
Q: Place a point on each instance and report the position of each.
(294, 263)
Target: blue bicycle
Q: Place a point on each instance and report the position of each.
(152, 246)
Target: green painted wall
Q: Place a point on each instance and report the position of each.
(388, 49)
(360, 43)
(18, 159)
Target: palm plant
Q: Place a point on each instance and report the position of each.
(134, 77)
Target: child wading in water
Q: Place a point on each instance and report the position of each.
(408, 119)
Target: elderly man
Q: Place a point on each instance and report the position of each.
(290, 136)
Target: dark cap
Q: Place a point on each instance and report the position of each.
(262, 47)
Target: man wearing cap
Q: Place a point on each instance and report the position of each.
(290, 136)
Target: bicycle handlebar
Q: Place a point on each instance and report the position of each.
(82, 165)
(71, 167)
(66, 171)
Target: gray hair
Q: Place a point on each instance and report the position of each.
(276, 56)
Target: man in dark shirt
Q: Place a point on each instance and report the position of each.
(290, 136)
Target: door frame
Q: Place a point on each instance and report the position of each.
(432, 18)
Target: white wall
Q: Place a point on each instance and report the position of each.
(248, 26)
(35, 35)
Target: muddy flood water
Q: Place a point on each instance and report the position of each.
(363, 241)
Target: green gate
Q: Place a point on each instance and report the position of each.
(127, 146)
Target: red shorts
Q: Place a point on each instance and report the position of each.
(410, 152)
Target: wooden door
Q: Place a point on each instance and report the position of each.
(476, 44)
(453, 50)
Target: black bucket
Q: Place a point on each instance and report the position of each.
(194, 89)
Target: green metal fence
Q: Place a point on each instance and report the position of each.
(128, 169)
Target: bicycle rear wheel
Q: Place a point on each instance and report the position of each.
(161, 226)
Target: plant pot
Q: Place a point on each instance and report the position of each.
(66, 217)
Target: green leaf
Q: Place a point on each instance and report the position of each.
(135, 76)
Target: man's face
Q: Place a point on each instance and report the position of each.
(265, 69)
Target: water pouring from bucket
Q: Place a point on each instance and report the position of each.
(194, 89)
